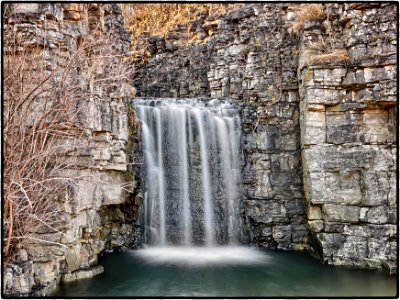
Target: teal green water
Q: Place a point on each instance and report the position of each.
(283, 274)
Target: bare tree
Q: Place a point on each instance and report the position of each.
(43, 129)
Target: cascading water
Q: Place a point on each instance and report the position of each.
(192, 167)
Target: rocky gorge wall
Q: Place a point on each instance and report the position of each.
(318, 111)
(318, 138)
(100, 210)
(348, 129)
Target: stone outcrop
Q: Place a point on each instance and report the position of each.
(100, 211)
(348, 128)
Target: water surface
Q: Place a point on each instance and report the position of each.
(266, 274)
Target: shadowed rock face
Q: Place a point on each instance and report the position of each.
(252, 60)
(192, 171)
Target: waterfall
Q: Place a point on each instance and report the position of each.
(191, 171)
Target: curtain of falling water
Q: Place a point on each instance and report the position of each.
(184, 179)
(192, 176)
(206, 181)
(160, 176)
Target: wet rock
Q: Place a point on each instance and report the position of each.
(18, 279)
(82, 274)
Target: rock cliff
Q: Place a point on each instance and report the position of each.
(249, 57)
(100, 210)
(348, 135)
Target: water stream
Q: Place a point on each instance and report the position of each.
(192, 176)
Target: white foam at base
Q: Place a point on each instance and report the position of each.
(223, 255)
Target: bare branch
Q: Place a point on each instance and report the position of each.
(44, 98)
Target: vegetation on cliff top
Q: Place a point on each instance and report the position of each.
(306, 12)
(162, 18)
(325, 51)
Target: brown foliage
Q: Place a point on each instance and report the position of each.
(44, 128)
(307, 12)
(337, 55)
(159, 19)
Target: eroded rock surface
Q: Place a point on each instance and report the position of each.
(329, 126)
(348, 122)
(99, 209)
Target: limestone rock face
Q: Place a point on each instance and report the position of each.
(83, 274)
(98, 210)
(18, 279)
(348, 129)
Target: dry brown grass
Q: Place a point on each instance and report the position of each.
(318, 45)
(337, 55)
(159, 19)
(307, 12)
(45, 102)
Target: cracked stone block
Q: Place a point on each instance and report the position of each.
(324, 96)
(315, 225)
(314, 131)
(378, 215)
(376, 187)
(343, 127)
(335, 212)
(44, 272)
(354, 246)
(314, 212)
(376, 126)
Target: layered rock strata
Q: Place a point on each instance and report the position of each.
(100, 211)
(348, 136)
(318, 143)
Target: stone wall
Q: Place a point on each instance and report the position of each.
(348, 128)
(100, 210)
(249, 57)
